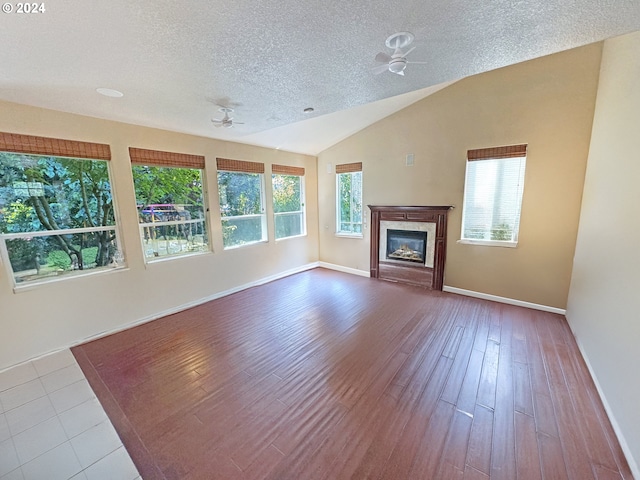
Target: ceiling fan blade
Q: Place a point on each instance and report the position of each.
(380, 69)
(215, 120)
(417, 63)
(383, 57)
(408, 51)
(238, 123)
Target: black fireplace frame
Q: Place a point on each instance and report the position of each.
(415, 240)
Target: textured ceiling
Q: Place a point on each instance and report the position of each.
(271, 59)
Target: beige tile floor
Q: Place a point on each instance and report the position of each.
(52, 426)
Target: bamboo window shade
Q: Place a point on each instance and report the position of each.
(287, 170)
(349, 167)
(509, 151)
(30, 144)
(239, 166)
(157, 158)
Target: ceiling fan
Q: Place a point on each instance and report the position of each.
(397, 61)
(226, 121)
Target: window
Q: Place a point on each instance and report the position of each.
(56, 208)
(493, 195)
(170, 201)
(349, 199)
(241, 193)
(288, 201)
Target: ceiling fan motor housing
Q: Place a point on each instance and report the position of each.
(397, 65)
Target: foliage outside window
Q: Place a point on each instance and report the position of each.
(349, 203)
(56, 216)
(242, 208)
(171, 210)
(288, 205)
(493, 200)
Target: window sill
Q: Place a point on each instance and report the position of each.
(248, 244)
(27, 286)
(488, 243)
(167, 258)
(289, 238)
(349, 235)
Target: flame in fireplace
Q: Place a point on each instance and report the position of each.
(406, 253)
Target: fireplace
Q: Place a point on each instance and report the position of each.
(406, 246)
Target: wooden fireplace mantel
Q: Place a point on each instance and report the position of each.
(420, 275)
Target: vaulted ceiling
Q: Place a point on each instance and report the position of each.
(176, 62)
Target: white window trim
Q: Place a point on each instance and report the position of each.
(206, 219)
(265, 234)
(171, 222)
(248, 244)
(24, 287)
(296, 212)
(262, 214)
(234, 217)
(166, 258)
(290, 212)
(116, 227)
(174, 256)
(21, 287)
(338, 231)
(488, 243)
(284, 239)
(350, 235)
(303, 204)
(53, 233)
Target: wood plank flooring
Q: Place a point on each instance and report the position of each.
(324, 375)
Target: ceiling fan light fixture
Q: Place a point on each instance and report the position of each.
(226, 121)
(395, 62)
(397, 66)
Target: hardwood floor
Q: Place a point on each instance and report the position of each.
(324, 375)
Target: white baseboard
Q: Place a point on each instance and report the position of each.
(200, 301)
(176, 309)
(509, 301)
(635, 469)
(340, 268)
(277, 276)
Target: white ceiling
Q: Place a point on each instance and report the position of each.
(271, 59)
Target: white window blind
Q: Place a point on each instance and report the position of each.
(493, 195)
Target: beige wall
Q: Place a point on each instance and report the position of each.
(547, 103)
(604, 300)
(58, 314)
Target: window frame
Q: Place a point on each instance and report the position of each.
(160, 159)
(506, 153)
(349, 169)
(19, 144)
(243, 167)
(286, 171)
(171, 223)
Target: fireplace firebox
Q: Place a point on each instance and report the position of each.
(406, 245)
